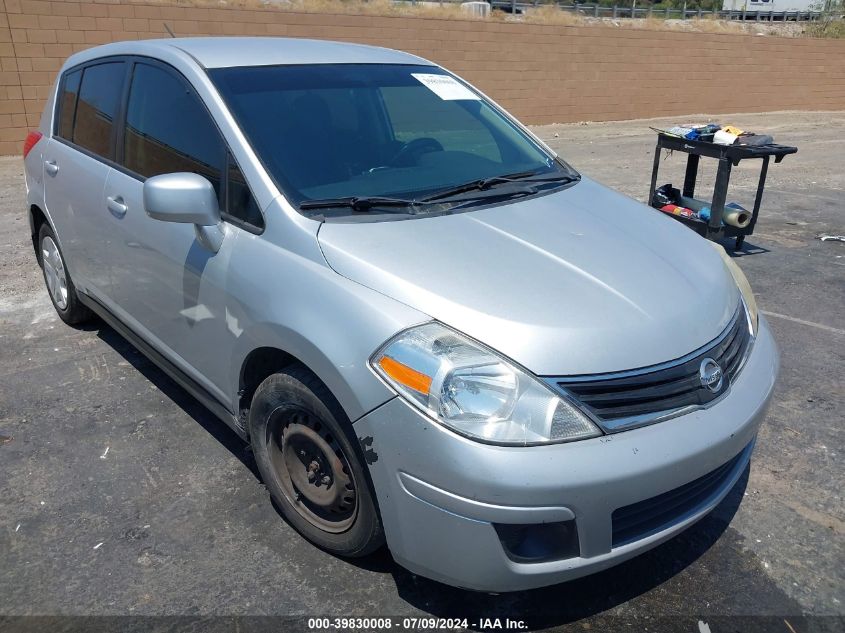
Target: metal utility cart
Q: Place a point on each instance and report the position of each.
(728, 156)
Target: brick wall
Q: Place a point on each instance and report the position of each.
(541, 73)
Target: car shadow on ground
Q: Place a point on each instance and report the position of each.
(545, 607)
(171, 389)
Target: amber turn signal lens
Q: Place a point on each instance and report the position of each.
(404, 375)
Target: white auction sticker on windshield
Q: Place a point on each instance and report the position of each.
(445, 87)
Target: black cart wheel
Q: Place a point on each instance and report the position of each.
(740, 240)
(310, 463)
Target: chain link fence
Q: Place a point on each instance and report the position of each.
(649, 10)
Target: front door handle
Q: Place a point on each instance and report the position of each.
(51, 167)
(116, 206)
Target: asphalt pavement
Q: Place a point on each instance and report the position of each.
(120, 495)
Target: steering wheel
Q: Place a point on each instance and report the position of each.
(412, 150)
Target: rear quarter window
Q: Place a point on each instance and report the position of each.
(68, 91)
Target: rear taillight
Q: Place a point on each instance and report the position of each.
(31, 139)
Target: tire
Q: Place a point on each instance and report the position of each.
(310, 461)
(60, 286)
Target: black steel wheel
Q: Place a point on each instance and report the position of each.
(311, 463)
(312, 470)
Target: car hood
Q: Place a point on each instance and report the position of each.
(581, 281)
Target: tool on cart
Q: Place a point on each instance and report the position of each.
(676, 210)
(720, 220)
(735, 215)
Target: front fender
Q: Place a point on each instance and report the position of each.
(302, 307)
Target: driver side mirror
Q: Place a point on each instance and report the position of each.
(181, 197)
(187, 198)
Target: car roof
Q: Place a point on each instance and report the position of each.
(224, 52)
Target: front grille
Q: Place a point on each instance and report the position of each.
(641, 519)
(642, 395)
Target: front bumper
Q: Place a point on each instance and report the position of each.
(440, 494)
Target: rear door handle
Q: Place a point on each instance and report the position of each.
(51, 167)
(116, 206)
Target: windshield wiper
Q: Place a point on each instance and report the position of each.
(360, 203)
(556, 176)
(405, 206)
(486, 183)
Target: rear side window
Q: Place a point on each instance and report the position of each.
(97, 105)
(67, 104)
(169, 130)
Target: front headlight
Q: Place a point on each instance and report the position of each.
(476, 392)
(743, 285)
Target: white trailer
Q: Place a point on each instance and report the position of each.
(776, 6)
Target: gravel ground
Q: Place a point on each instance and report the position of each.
(121, 495)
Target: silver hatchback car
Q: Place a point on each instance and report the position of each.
(433, 331)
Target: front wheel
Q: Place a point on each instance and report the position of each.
(310, 465)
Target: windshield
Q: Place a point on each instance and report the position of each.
(333, 131)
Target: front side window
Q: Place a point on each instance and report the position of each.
(169, 130)
(356, 130)
(97, 105)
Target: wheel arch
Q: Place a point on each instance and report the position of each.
(37, 218)
(256, 367)
(356, 389)
(339, 360)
